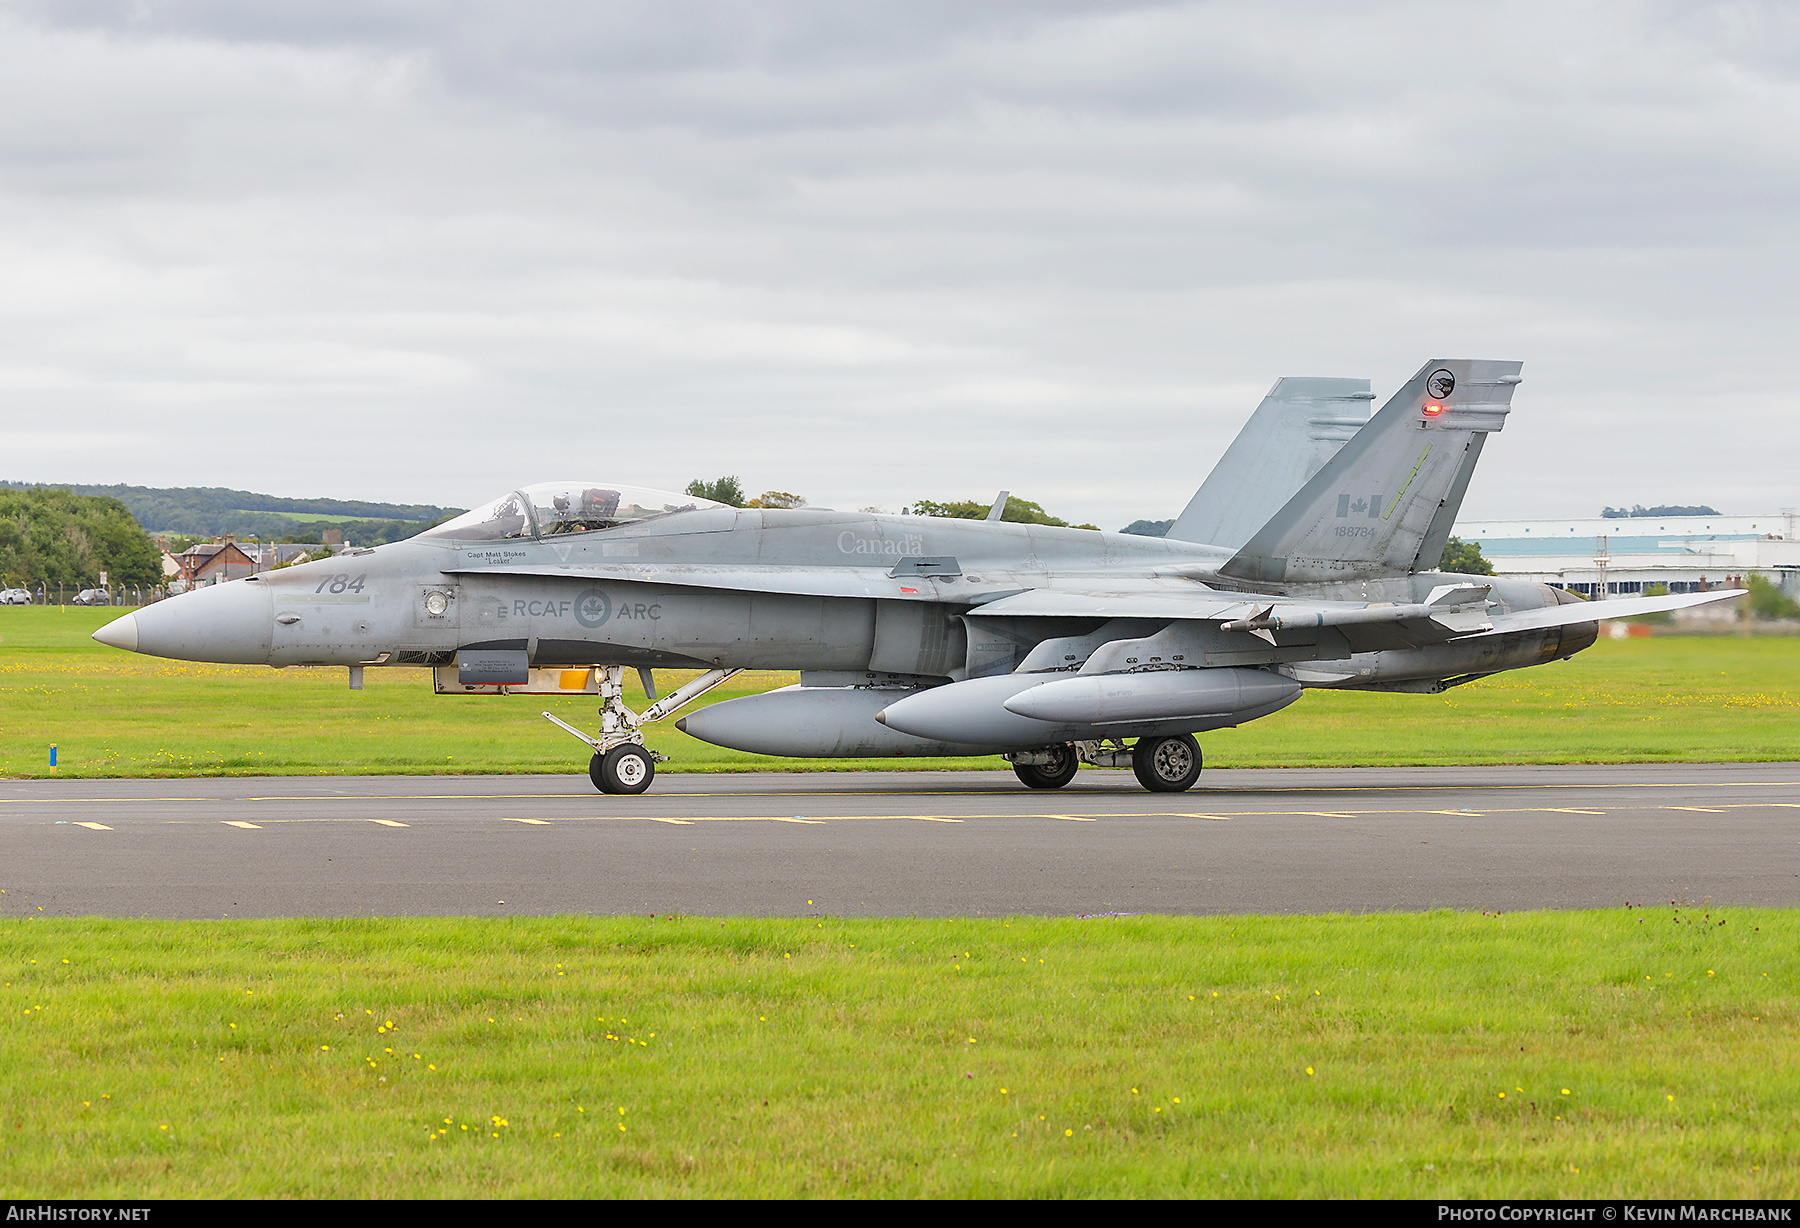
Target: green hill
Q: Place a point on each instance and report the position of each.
(207, 511)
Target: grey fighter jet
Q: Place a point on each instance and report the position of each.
(924, 636)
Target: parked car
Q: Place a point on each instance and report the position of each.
(14, 596)
(93, 596)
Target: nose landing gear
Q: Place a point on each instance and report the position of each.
(623, 769)
(621, 762)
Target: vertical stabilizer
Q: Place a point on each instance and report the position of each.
(1298, 427)
(1375, 506)
(1437, 535)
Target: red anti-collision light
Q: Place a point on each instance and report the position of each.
(1432, 411)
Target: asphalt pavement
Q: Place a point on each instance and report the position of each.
(904, 843)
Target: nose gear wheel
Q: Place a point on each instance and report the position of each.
(623, 769)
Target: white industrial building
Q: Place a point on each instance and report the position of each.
(1621, 556)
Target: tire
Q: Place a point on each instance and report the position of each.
(1049, 775)
(627, 769)
(596, 775)
(1166, 765)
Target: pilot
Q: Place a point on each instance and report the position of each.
(565, 521)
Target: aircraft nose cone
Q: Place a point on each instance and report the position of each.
(227, 623)
(120, 633)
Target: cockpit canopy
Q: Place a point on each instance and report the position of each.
(553, 509)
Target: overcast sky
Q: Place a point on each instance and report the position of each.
(873, 252)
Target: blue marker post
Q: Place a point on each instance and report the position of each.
(53, 757)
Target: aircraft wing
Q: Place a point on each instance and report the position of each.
(841, 581)
(1595, 611)
(1121, 603)
(1451, 612)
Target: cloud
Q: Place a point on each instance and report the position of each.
(887, 251)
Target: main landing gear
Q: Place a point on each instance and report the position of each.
(1057, 770)
(1169, 764)
(621, 762)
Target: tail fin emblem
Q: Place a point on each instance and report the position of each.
(1441, 384)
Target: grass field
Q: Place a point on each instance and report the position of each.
(1648, 1052)
(1640, 1052)
(113, 713)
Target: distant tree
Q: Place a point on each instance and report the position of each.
(774, 498)
(362, 532)
(727, 490)
(50, 536)
(1149, 528)
(1768, 601)
(967, 509)
(1464, 558)
(1017, 511)
(1662, 509)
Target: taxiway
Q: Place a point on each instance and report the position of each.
(904, 843)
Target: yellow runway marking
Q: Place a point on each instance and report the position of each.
(870, 818)
(533, 822)
(387, 822)
(400, 797)
(241, 823)
(94, 826)
(1094, 816)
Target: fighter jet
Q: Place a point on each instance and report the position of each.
(1305, 561)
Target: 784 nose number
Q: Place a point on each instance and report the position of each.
(342, 583)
